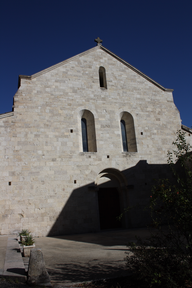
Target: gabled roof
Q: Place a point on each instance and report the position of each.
(86, 52)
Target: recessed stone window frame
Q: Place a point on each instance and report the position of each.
(128, 137)
(102, 77)
(88, 131)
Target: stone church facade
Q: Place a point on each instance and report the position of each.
(84, 141)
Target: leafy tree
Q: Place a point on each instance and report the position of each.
(171, 200)
(166, 260)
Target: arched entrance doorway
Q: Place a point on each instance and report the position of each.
(111, 187)
(109, 208)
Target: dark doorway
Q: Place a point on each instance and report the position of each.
(109, 208)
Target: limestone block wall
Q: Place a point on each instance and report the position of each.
(48, 184)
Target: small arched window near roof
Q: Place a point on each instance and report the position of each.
(128, 133)
(88, 131)
(102, 77)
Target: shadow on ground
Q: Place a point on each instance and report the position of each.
(18, 271)
(110, 237)
(93, 271)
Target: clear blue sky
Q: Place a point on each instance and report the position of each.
(155, 36)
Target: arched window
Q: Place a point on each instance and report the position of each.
(102, 77)
(84, 134)
(124, 136)
(128, 132)
(88, 132)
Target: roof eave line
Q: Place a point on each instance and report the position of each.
(136, 70)
(187, 129)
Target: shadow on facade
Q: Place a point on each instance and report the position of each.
(83, 213)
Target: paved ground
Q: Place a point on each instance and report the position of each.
(11, 262)
(86, 257)
(74, 258)
(3, 247)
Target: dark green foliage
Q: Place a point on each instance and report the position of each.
(171, 200)
(166, 260)
(159, 267)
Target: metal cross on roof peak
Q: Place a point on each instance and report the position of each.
(99, 41)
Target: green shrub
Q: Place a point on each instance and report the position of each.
(24, 232)
(29, 240)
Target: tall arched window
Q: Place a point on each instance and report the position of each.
(88, 132)
(102, 77)
(128, 132)
(124, 136)
(84, 134)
